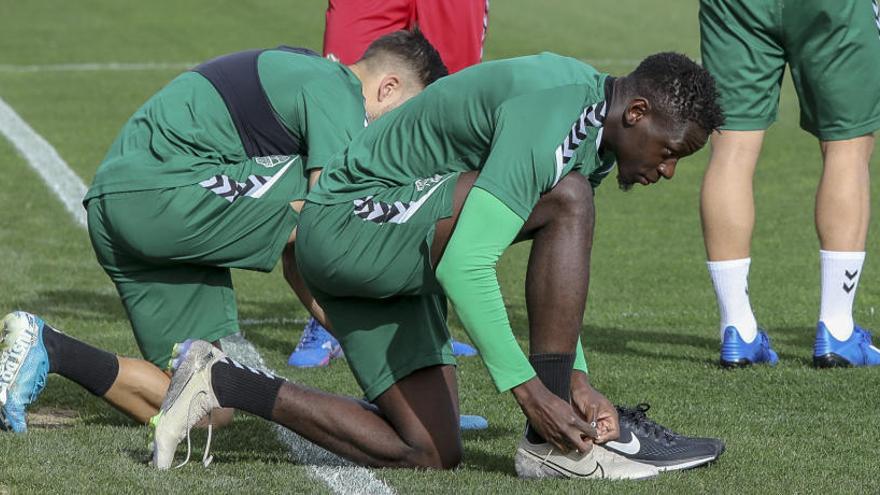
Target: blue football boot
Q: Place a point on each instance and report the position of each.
(472, 422)
(24, 366)
(316, 347)
(737, 353)
(460, 349)
(857, 350)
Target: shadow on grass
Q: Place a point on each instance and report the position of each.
(618, 341)
(245, 440)
(631, 342)
(76, 304)
(485, 459)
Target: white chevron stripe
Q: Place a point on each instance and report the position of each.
(589, 117)
(560, 165)
(877, 16)
(265, 187)
(227, 187)
(255, 185)
(415, 205)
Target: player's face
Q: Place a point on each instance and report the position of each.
(650, 151)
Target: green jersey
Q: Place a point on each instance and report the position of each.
(185, 134)
(524, 123)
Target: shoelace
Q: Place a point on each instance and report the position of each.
(638, 416)
(206, 458)
(311, 335)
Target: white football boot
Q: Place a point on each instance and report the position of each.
(544, 461)
(190, 398)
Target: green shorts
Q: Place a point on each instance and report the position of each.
(368, 264)
(169, 252)
(832, 49)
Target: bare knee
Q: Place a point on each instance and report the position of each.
(571, 197)
(573, 194)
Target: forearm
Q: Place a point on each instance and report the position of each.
(296, 282)
(467, 273)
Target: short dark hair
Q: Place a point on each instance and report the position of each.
(680, 88)
(413, 50)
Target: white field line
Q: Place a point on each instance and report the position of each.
(43, 158)
(339, 475)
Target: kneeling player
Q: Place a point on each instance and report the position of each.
(420, 207)
(206, 176)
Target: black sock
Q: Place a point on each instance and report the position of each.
(245, 388)
(92, 368)
(554, 371)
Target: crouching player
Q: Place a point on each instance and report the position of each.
(420, 207)
(208, 175)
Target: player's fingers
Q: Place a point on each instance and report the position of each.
(610, 431)
(580, 442)
(585, 428)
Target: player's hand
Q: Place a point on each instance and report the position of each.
(592, 406)
(553, 418)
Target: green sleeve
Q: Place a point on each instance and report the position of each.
(331, 118)
(532, 147)
(580, 362)
(484, 230)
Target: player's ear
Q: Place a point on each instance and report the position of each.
(388, 85)
(636, 110)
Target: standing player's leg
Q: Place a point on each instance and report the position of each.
(727, 209)
(834, 53)
(456, 27)
(842, 212)
(742, 50)
(351, 25)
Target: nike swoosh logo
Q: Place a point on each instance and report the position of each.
(415, 205)
(265, 187)
(544, 461)
(632, 447)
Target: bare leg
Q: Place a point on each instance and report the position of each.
(727, 205)
(417, 427)
(558, 275)
(556, 283)
(561, 225)
(296, 282)
(728, 212)
(138, 390)
(843, 200)
(843, 210)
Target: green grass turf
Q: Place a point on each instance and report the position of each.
(650, 329)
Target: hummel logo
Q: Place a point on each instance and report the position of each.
(631, 447)
(19, 342)
(851, 275)
(848, 288)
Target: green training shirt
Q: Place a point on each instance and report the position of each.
(524, 123)
(184, 134)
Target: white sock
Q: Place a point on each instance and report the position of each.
(841, 271)
(731, 281)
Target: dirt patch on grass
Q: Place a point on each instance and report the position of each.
(52, 417)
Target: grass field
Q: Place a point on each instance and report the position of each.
(651, 326)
